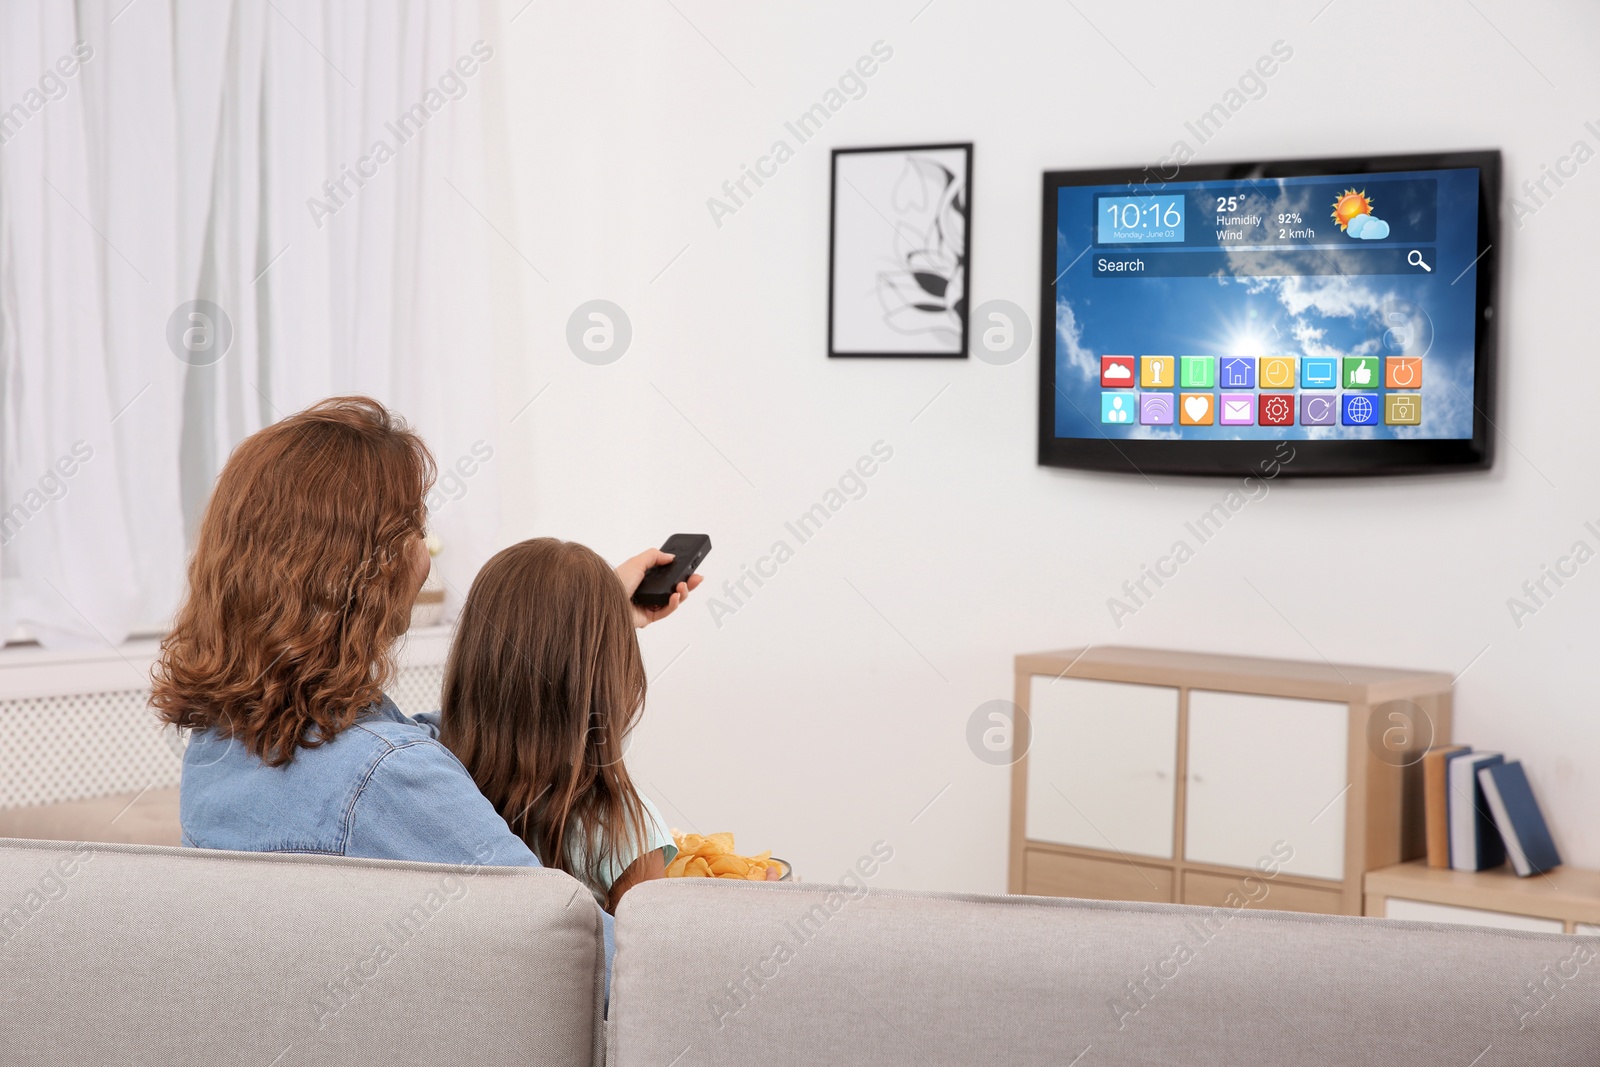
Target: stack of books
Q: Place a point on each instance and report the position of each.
(1480, 810)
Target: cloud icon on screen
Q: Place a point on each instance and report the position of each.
(1368, 228)
(1118, 371)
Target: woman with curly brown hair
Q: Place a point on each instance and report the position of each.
(308, 560)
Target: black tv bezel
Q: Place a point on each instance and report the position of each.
(1310, 458)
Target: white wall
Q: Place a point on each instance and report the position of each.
(832, 708)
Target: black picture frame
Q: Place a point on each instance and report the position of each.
(1311, 458)
(962, 308)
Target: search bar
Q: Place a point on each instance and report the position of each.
(1259, 263)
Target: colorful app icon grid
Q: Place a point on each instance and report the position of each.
(1317, 376)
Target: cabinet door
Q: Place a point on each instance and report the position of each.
(1102, 765)
(1264, 770)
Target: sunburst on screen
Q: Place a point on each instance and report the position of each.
(1348, 205)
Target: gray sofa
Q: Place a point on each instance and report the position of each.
(143, 954)
(150, 955)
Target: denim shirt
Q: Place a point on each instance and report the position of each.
(383, 789)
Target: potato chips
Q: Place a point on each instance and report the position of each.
(712, 856)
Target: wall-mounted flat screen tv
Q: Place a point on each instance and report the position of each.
(1302, 317)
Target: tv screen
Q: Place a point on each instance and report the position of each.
(1299, 317)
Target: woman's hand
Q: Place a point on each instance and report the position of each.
(631, 572)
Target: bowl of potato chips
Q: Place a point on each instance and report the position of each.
(713, 856)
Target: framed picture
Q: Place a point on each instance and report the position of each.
(898, 263)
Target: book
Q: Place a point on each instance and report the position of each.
(1450, 804)
(1436, 802)
(1517, 815)
(1474, 841)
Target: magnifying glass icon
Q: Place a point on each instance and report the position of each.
(1415, 259)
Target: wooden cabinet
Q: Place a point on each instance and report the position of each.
(1566, 899)
(1216, 780)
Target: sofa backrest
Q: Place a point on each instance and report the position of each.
(142, 954)
(715, 972)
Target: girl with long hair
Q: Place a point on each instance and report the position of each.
(543, 684)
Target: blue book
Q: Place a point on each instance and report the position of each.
(1517, 814)
(1474, 841)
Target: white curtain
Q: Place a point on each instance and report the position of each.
(313, 168)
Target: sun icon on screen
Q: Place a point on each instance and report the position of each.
(1348, 205)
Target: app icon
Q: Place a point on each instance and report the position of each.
(1360, 372)
(1277, 409)
(1116, 372)
(1155, 409)
(1353, 212)
(1318, 410)
(1197, 372)
(1116, 407)
(1358, 409)
(1238, 409)
(1277, 372)
(1402, 372)
(1238, 372)
(1156, 372)
(1402, 409)
(1319, 372)
(1195, 409)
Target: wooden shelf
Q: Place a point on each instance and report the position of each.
(1236, 674)
(1571, 894)
(1270, 733)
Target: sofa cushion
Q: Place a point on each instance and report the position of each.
(718, 972)
(151, 955)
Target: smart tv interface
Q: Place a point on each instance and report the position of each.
(1314, 307)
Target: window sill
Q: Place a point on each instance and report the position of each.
(31, 670)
